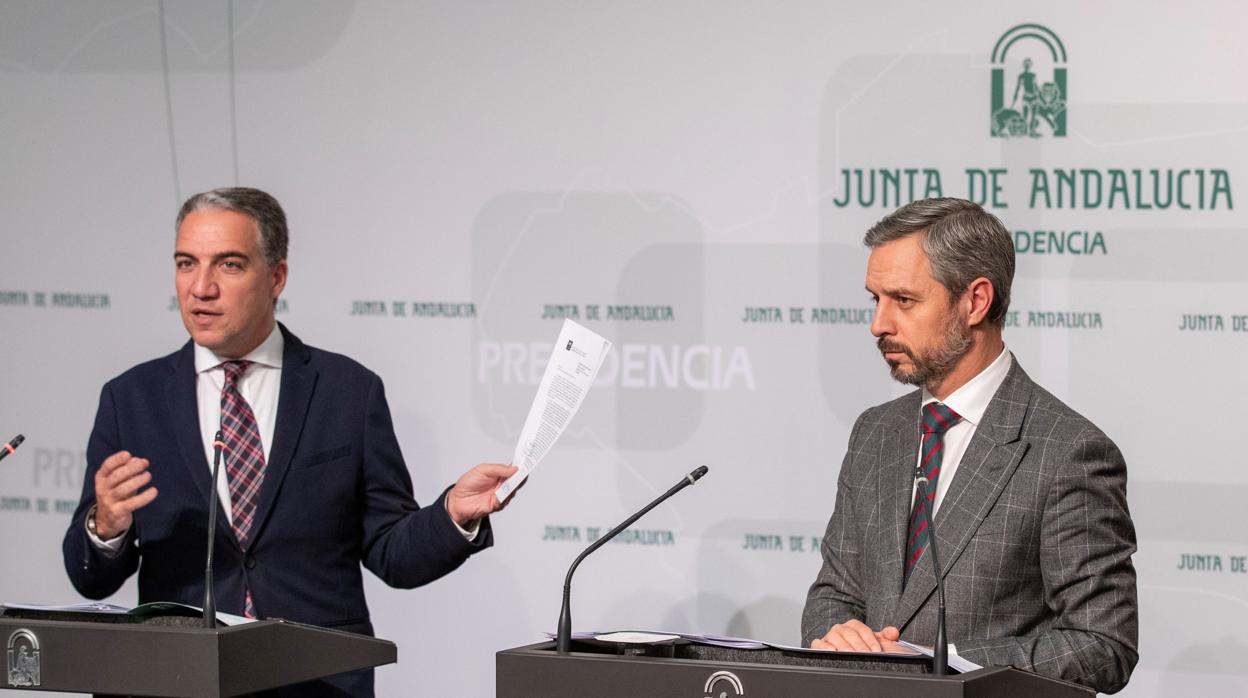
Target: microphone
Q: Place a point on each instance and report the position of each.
(214, 500)
(11, 446)
(940, 651)
(564, 641)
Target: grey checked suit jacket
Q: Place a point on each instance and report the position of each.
(1034, 537)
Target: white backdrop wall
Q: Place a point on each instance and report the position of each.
(685, 162)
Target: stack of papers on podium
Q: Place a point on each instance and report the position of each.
(651, 637)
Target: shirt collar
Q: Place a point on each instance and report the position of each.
(269, 353)
(971, 400)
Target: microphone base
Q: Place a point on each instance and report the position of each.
(940, 651)
(563, 641)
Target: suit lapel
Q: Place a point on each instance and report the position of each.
(987, 466)
(898, 457)
(183, 405)
(297, 385)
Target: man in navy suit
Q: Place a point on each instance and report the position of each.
(312, 480)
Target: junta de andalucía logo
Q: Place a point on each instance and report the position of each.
(1029, 86)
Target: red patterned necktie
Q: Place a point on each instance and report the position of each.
(937, 419)
(245, 465)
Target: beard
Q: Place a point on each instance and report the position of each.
(932, 365)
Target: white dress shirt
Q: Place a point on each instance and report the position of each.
(970, 401)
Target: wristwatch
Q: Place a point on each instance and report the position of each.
(91, 521)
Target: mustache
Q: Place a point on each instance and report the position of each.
(888, 346)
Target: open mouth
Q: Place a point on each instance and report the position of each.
(204, 315)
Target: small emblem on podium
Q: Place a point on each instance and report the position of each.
(723, 684)
(23, 655)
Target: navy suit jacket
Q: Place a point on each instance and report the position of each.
(336, 493)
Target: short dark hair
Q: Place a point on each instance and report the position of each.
(259, 205)
(962, 242)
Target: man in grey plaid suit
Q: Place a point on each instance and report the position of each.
(1032, 525)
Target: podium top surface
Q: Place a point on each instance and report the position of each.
(153, 659)
(692, 669)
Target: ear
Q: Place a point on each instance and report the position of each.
(977, 300)
(279, 278)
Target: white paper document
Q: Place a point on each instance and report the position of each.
(906, 650)
(636, 637)
(962, 666)
(570, 373)
(84, 607)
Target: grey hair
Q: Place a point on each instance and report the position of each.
(260, 206)
(962, 242)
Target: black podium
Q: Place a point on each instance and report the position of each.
(697, 671)
(167, 657)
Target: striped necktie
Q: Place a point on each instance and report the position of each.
(937, 419)
(245, 466)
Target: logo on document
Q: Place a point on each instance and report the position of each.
(569, 347)
(1029, 84)
(23, 666)
(723, 684)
